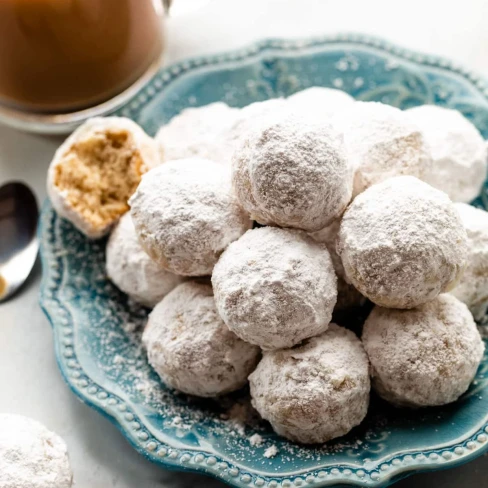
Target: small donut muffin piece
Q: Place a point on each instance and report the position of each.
(382, 142)
(402, 243)
(185, 215)
(96, 170)
(423, 357)
(316, 391)
(472, 288)
(190, 347)
(275, 287)
(347, 296)
(458, 151)
(132, 270)
(319, 101)
(198, 132)
(31, 456)
(292, 172)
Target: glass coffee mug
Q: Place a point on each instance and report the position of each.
(62, 61)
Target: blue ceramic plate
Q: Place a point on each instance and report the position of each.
(97, 330)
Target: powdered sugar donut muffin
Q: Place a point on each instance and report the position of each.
(185, 215)
(314, 392)
(347, 295)
(31, 456)
(96, 170)
(190, 347)
(275, 287)
(382, 142)
(319, 101)
(248, 118)
(458, 150)
(472, 288)
(292, 172)
(425, 356)
(198, 132)
(132, 270)
(402, 243)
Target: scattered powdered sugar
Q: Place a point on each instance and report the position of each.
(402, 243)
(31, 456)
(132, 270)
(198, 132)
(472, 288)
(271, 452)
(255, 440)
(292, 171)
(190, 347)
(425, 356)
(382, 142)
(314, 392)
(458, 150)
(185, 215)
(275, 287)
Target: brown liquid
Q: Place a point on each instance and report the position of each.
(58, 55)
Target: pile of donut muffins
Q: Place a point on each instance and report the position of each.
(245, 230)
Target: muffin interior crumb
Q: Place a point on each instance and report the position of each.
(99, 174)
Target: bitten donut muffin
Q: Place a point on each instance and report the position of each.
(347, 295)
(292, 172)
(459, 152)
(319, 101)
(96, 170)
(190, 347)
(472, 288)
(132, 270)
(198, 132)
(402, 243)
(185, 215)
(314, 392)
(425, 356)
(382, 142)
(275, 287)
(31, 456)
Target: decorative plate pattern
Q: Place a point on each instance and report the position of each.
(97, 329)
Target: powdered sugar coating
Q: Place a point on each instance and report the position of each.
(31, 456)
(314, 392)
(249, 116)
(185, 215)
(132, 270)
(459, 152)
(472, 288)
(275, 287)
(425, 356)
(347, 295)
(382, 142)
(191, 348)
(319, 101)
(402, 243)
(198, 132)
(292, 172)
(144, 144)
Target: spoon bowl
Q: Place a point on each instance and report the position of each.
(18, 241)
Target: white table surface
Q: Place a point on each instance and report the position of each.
(30, 383)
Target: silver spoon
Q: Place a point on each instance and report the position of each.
(18, 240)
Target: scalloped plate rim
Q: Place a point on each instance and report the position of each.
(395, 473)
